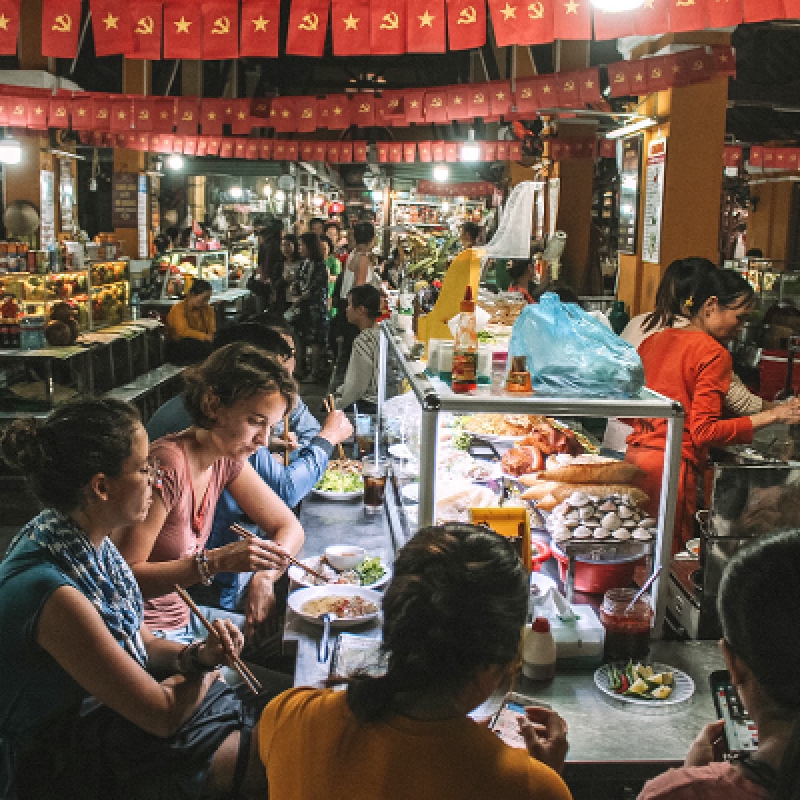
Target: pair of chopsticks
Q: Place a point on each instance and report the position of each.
(286, 439)
(246, 534)
(330, 407)
(244, 671)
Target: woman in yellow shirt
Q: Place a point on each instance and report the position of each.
(191, 325)
(453, 614)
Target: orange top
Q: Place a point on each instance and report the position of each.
(185, 323)
(314, 748)
(693, 368)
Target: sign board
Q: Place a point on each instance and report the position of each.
(554, 190)
(124, 200)
(141, 198)
(47, 204)
(629, 167)
(654, 201)
(66, 194)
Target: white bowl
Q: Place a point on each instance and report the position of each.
(344, 556)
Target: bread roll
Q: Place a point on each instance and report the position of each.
(549, 494)
(589, 469)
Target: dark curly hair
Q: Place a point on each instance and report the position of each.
(77, 441)
(456, 604)
(231, 373)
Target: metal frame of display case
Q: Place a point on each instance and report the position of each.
(433, 401)
(200, 257)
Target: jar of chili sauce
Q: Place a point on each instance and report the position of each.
(627, 632)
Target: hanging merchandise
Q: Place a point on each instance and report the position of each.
(513, 236)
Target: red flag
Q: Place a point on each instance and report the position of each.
(164, 113)
(221, 29)
(101, 111)
(425, 152)
(724, 60)
(143, 113)
(613, 24)
(112, 29)
(9, 27)
(211, 116)
(360, 151)
(58, 112)
(390, 108)
(260, 26)
(120, 115)
(763, 10)
(691, 17)
(202, 146)
(437, 151)
(514, 151)
(387, 27)
(451, 152)
(732, 156)
(478, 96)
(701, 65)
(409, 152)
(415, 105)
(607, 148)
(241, 123)
(527, 95)
(756, 158)
(226, 148)
(145, 25)
(265, 149)
(177, 144)
(61, 25)
(18, 113)
(82, 113)
(363, 111)
(589, 80)
(213, 146)
(724, 14)
(466, 24)
(792, 9)
(188, 115)
(332, 153)
(792, 158)
(569, 91)
(395, 152)
(306, 114)
(239, 148)
(619, 79)
(426, 30)
(339, 107)
(350, 27)
(292, 151)
(549, 95)
(279, 149)
(489, 151)
(506, 21)
(37, 113)
(308, 26)
(183, 29)
(458, 103)
(651, 19)
(659, 73)
(346, 152)
(769, 157)
(260, 108)
(499, 98)
(436, 105)
(190, 145)
(572, 20)
(502, 151)
(383, 152)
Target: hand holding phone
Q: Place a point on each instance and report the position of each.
(741, 734)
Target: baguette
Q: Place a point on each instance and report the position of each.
(550, 493)
(589, 469)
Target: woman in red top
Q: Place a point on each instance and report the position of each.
(692, 366)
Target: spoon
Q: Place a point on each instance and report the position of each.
(641, 591)
(324, 650)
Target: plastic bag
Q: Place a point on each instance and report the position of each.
(570, 353)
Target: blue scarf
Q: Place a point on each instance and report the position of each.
(100, 573)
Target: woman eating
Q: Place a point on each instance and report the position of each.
(81, 714)
(191, 325)
(233, 399)
(452, 620)
(692, 366)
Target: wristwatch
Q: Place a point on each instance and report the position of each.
(201, 560)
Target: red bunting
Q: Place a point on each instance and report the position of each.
(505, 21)
(360, 151)
(589, 80)
(260, 27)
(659, 73)
(527, 94)
(346, 152)
(82, 114)
(613, 24)
(409, 152)
(363, 110)
(226, 148)
(9, 33)
(350, 27)
(265, 150)
(61, 25)
(387, 32)
(58, 113)
(164, 112)
(724, 60)
(569, 91)
(478, 100)
(687, 15)
(239, 148)
(732, 156)
(762, 10)
(284, 120)
(466, 24)
(183, 30)
(211, 114)
(415, 105)
(437, 151)
(190, 145)
(101, 110)
(339, 112)
(549, 95)
(607, 148)
(436, 106)
(425, 152)
(143, 113)
(18, 113)
(426, 28)
(112, 29)
(382, 149)
(241, 122)
(572, 19)
(726, 14)
(307, 115)
(500, 98)
(221, 29)
(308, 27)
(458, 103)
(145, 21)
(651, 19)
(37, 114)
(756, 157)
(120, 115)
(188, 115)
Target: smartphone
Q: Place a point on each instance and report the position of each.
(505, 722)
(741, 733)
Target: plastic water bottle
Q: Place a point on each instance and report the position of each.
(135, 305)
(539, 652)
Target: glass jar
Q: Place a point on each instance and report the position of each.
(627, 632)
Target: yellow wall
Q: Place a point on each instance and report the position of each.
(768, 225)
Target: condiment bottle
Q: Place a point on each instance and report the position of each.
(519, 379)
(539, 651)
(465, 348)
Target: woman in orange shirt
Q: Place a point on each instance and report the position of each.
(692, 366)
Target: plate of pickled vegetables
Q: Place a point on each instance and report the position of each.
(644, 684)
(341, 481)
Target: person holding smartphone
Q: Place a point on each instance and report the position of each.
(758, 605)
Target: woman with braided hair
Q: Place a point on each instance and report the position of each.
(453, 615)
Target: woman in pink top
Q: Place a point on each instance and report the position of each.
(234, 398)
(758, 605)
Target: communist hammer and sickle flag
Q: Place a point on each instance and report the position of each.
(466, 22)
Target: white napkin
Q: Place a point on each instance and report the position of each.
(481, 320)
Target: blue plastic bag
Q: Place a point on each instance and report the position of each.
(570, 353)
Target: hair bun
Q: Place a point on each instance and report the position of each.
(21, 447)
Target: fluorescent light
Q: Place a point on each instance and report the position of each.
(441, 173)
(235, 192)
(470, 152)
(267, 190)
(445, 207)
(617, 5)
(634, 127)
(175, 161)
(377, 196)
(10, 151)
(280, 196)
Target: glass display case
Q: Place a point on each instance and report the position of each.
(243, 261)
(435, 479)
(178, 268)
(770, 281)
(107, 283)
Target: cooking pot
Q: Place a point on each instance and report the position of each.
(594, 576)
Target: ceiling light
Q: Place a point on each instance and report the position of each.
(441, 173)
(617, 5)
(10, 151)
(470, 152)
(235, 192)
(634, 127)
(445, 207)
(267, 190)
(175, 161)
(280, 196)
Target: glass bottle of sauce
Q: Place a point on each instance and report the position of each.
(627, 632)
(465, 348)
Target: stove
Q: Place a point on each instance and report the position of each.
(689, 610)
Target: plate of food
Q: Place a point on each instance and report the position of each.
(371, 573)
(501, 427)
(639, 684)
(341, 481)
(349, 605)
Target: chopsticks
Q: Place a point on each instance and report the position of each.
(286, 439)
(246, 534)
(244, 671)
(330, 407)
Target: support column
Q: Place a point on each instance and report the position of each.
(29, 45)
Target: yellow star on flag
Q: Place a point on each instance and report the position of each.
(260, 24)
(589, 84)
(572, 7)
(182, 26)
(509, 12)
(4, 20)
(426, 20)
(337, 111)
(111, 22)
(414, 104)
(351, 22)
